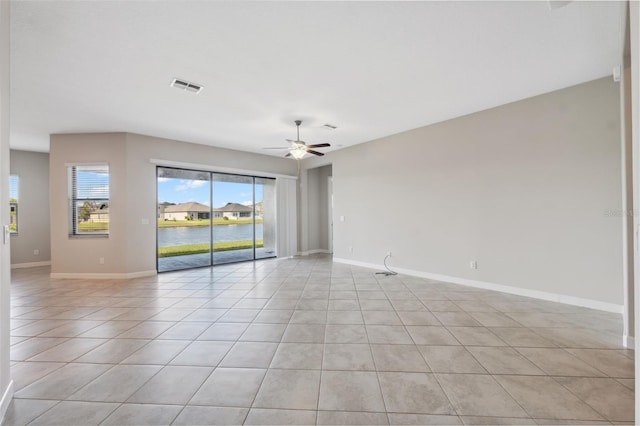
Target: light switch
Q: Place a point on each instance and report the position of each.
(341, 218)
(6, 234)
(145, 221)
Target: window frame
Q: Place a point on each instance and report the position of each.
(74, 200)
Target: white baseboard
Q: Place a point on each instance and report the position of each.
(543, 295)
(103, 276)
(307, 253)
(30, 264)
(7, 396)
(628, 342)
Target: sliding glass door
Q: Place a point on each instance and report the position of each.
(209, 218)
(265, 190)
(233, 232)
(184, 219)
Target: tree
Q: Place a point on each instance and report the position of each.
(85, 211)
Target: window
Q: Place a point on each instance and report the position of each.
(13, 204)
(89, 200)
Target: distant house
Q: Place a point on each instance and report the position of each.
(99, 215)
(233, 211)
(259, 210)
(186, 211)
(163, 206)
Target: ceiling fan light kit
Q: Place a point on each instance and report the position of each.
(298, 152)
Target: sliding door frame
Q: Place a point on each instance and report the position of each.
(211, 215)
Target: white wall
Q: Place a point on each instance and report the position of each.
(130, 247)
(6, 388)
(629, 219)
(522, 189)
(32, 169)
(634, 20)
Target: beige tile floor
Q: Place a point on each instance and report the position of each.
(307, 341)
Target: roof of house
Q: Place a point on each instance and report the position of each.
(187, 207)
(233, 207)
(100, 211)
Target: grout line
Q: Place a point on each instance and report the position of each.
(297, 278)
(384, 403)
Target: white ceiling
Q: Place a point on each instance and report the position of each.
(371, 68)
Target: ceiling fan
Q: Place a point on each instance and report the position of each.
(297, 149)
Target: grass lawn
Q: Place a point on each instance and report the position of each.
(205, 222)
(204, 248)
(93, 226)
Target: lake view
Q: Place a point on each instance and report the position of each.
(201, 234)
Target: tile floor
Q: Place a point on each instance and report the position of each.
(307, 341)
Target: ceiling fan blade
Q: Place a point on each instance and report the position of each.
(319, 145)
(277, 147)
(310, 151)
(288, 154)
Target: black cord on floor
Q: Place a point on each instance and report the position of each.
(388, 272)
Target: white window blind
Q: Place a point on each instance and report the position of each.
(89, 200)
(13, 204)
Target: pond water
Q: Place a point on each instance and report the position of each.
(201, 234)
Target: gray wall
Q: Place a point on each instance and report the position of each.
(81, 254)
(130, 247)
(522, 189)
(32, 169)
(316, 217)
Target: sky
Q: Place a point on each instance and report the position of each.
(186, 190)
(92, 184)
(13, 187)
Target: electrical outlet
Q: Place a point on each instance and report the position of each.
(473, 264)
(101, 260)
(350, 249)
(389, 253)
(36, 252)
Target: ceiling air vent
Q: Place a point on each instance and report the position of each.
(185, 85)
